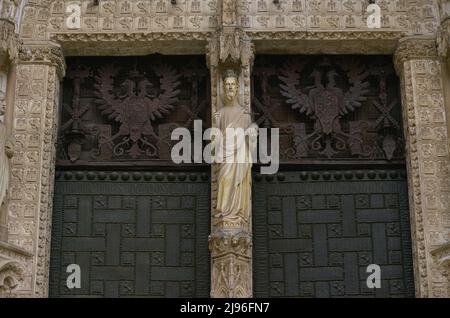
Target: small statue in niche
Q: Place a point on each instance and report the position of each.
(9, 9)
(6, 152)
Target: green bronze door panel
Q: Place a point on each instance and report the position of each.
(315, 233)
(132, 234)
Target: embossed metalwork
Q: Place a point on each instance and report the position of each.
(316, 232)
(132, 233)
(330, 108)
(122, 110)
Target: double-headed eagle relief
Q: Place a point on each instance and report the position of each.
(125, 110)
(136, 104)
(325, 102)
(330, 107)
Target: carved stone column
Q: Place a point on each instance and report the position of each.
(230, 242)
(38, 73)
(426, 133)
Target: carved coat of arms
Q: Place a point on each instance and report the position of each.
(325, 102)
(136, 103)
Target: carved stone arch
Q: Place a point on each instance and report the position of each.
(11, 276)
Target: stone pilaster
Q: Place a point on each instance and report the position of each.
(230, 242)
(426, 133)
(39, 70)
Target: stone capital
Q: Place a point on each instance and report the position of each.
(411, 48)
(43, 52)
(13, 272)
(225, 242)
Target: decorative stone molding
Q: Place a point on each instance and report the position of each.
(326, 35)
(136, 16)
(120, 44)
(427, 159)
(411, 16)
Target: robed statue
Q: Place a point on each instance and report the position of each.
(234, 178)
(9, 9)
(5, 154)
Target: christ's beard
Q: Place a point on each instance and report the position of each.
(230, 97)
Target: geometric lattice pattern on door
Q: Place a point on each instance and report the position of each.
(315, 233)
(133, 234)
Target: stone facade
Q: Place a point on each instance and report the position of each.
(35, 37)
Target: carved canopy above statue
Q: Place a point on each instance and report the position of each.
(330, 109)
(124, 109)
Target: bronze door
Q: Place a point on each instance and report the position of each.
(134, 222)
(340, 202)
(317, 231)
(132, 234)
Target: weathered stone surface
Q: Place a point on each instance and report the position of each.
(428, 159)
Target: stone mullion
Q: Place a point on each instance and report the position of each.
(35, 115)
(231, 266)
(230, 242)
(427, 159)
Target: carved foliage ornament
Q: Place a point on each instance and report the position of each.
(221, 243)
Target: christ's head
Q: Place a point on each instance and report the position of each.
(230, 86)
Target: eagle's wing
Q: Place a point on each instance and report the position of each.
(104, 94)
(359, 89)
(289, 76)
(169, 83)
